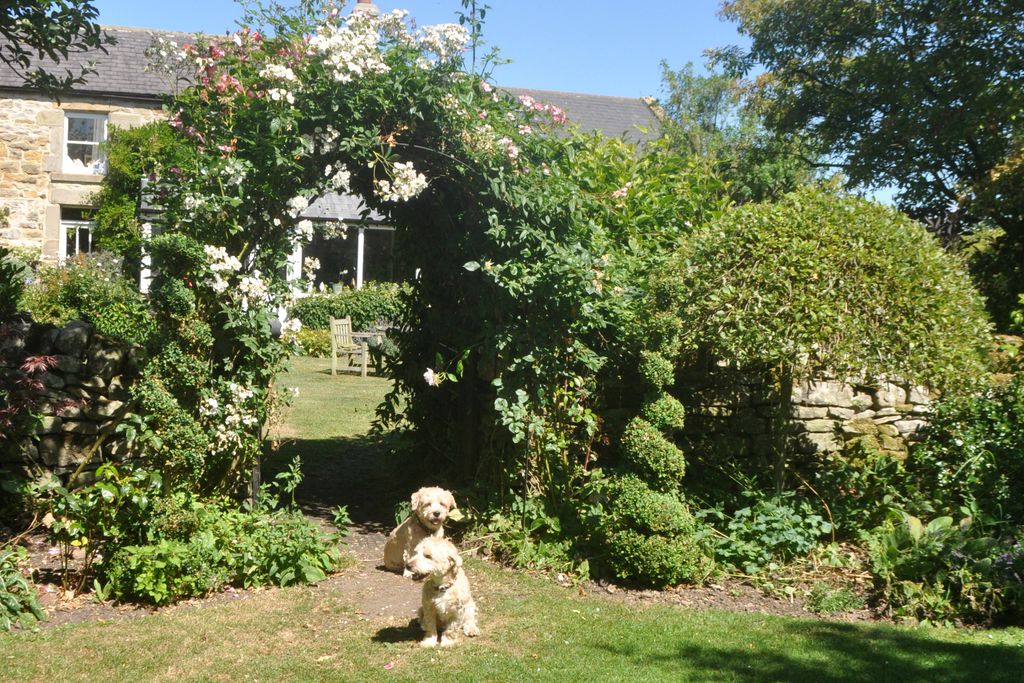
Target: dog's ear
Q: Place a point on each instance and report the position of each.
(416, 499)
(456, 559)
(449, 501)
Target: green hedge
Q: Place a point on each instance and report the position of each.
(825, 281)
(374, 301)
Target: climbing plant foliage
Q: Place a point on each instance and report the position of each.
(531, 240)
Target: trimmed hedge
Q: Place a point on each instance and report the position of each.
(652, 537)
(374, 301)
(822, 281)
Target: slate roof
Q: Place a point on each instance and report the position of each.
(344, 207)
(613, 116)
(122, 72)
(119, 72)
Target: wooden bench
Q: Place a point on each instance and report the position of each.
(344, 344)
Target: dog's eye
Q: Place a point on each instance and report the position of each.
(426, 555)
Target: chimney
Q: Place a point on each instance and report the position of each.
(366, 7)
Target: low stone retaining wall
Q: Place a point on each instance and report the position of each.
(86, 390)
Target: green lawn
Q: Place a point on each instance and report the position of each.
(532, 630)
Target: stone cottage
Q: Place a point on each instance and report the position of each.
(51, 156)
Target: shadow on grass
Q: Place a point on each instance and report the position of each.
(399, 634)
(829, 652)
(365, 473)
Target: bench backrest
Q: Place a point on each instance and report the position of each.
(341, 333)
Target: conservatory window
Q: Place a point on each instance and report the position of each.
(83, 134)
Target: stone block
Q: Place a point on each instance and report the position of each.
(919, 395)
(809, 412)
(50, 380)
(893, 443)
(886, 412)
(73, 339)
(819, 426)
(823, 393)
(49, 424)
(103, 408)
(93, 382)
(908, 427)
(888, 430)
(80, 427)
(889, 394)
(68, 364)
(860, 427)
(105, 362)
(868, 441)
(842, 413)
(821, 442)
(862, 400)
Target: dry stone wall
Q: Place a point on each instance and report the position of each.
(86, 391)
(744, 414)
(829, 416)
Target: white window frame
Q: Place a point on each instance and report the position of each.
(99, 166)
(76, 225)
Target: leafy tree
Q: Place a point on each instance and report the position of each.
(923, 95)
(33, 30)
(710, 116)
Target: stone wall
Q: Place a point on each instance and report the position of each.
(33, 184)
(829, 416)
(749, 415)
(86, 392)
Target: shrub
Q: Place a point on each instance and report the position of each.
(374, 302)
(219, 546)
(971, 460)
(315, 343)
(657, 560)
(165, 571)
(19, 603)
(665, 414)
(162, 547)
(649, 536)
(646, 450)
(944, 571)
(821, 281)
(91, 288)
(147, 151)
(12, 284)
(632, 504)
(656, 369)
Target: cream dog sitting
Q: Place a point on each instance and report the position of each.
(430, 508)
(448, 608)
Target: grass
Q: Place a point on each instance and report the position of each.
(533, 630)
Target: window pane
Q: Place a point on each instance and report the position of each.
(84, 246)
(85, 129)
(71, 242)
(84, 154)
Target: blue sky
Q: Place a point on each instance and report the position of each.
(595, 46)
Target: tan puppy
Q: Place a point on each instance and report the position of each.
(448, 606)
(430, 508)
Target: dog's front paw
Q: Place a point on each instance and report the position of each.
(471, 630)
(406, 574)
(447, 642)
